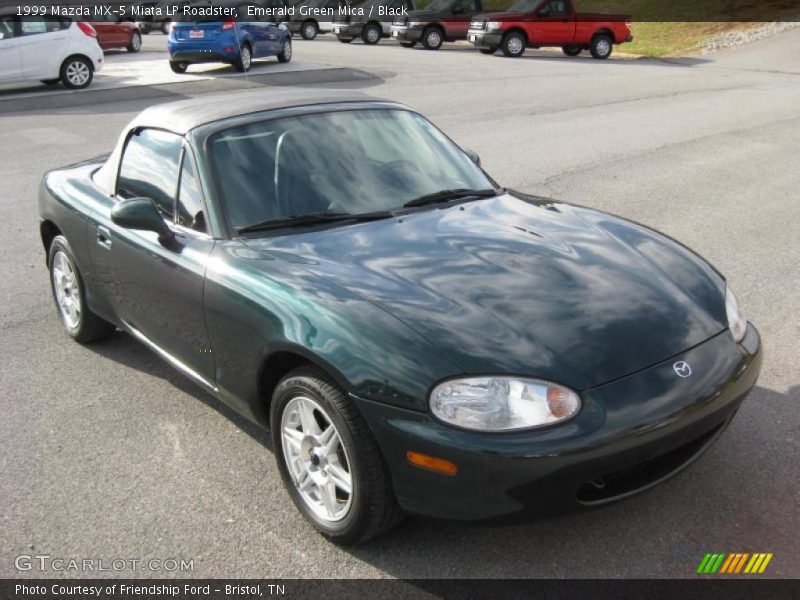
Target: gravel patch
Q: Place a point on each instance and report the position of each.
(745, 36)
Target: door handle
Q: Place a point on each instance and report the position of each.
(104, 236)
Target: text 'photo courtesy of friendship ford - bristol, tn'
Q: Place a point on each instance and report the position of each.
(417, 338)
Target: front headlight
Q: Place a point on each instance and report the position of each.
(414, 23)
(502, 403)
(492, 25)
(736, 321)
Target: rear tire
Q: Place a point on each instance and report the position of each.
(285, 54)
(69, 294)
(571, 50)
(244, 61)
(601, 46)
(432, 38)
(309, 30)
(372, 34)
(513, 44)
(76, 72)
(491, 50)
(306, 403)
(178, 66)
(136, 42)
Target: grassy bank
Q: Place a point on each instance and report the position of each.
(673, 27)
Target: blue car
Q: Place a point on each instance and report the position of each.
(236, 40)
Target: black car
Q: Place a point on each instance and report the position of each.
(441, 21)
(416, 338)
(370, 20)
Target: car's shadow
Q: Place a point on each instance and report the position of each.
(122, 348)
(736, 475)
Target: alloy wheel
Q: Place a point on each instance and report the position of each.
(316, 459)
(68, 294)
(78, 73)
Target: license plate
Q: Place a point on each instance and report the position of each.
(395, 34)
(336, 30)
(196, 33)
(472, 38)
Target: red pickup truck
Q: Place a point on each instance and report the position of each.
(537, 23)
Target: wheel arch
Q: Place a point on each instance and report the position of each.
(604, 31)
(282, 360)
(519, 30)
(78, 55)
(48, 231)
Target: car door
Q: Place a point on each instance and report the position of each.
(42, 46)
(458, 21)
(10, 65)
(156, 288)
(554, 24)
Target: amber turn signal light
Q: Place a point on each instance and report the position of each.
(439, 465)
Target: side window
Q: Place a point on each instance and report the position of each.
(190, 206)
(30, 25)
(554, 8)
(469, 6)
(150, 168)
(7, 28)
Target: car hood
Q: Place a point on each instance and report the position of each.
(518, 285)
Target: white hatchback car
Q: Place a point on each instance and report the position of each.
(48, 49)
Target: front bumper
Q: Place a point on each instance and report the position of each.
(484, 39)
(631, 434)
(403, 33)
(347, 30)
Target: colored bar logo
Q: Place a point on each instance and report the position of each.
(734, 563)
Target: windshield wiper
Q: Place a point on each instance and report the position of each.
(311, 219)
(448, 195)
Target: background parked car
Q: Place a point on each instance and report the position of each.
(47, 50)
(537, 23)
(143, 22)
(234, 41)
(112, 32)
(440, 21)
(373, 24)
(309, 25)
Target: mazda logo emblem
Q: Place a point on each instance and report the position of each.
(682, 368)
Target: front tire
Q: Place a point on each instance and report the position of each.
(571, 50)
(432, 38)
(601, 46)
(372, 34)
(309, 30)
(76, 72)
(329, 462)
(285, 54)
(244, 61)
(136, 42)
(69, 294)
(513, 44)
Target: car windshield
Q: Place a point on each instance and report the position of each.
(346, 162)
(524, 6)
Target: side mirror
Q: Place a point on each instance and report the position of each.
(473, 156)
(141, 213)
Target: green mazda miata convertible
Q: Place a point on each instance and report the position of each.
(417, 338)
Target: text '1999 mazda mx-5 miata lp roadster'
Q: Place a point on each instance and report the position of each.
(417, 338)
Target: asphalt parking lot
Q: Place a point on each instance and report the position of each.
(105, 452)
